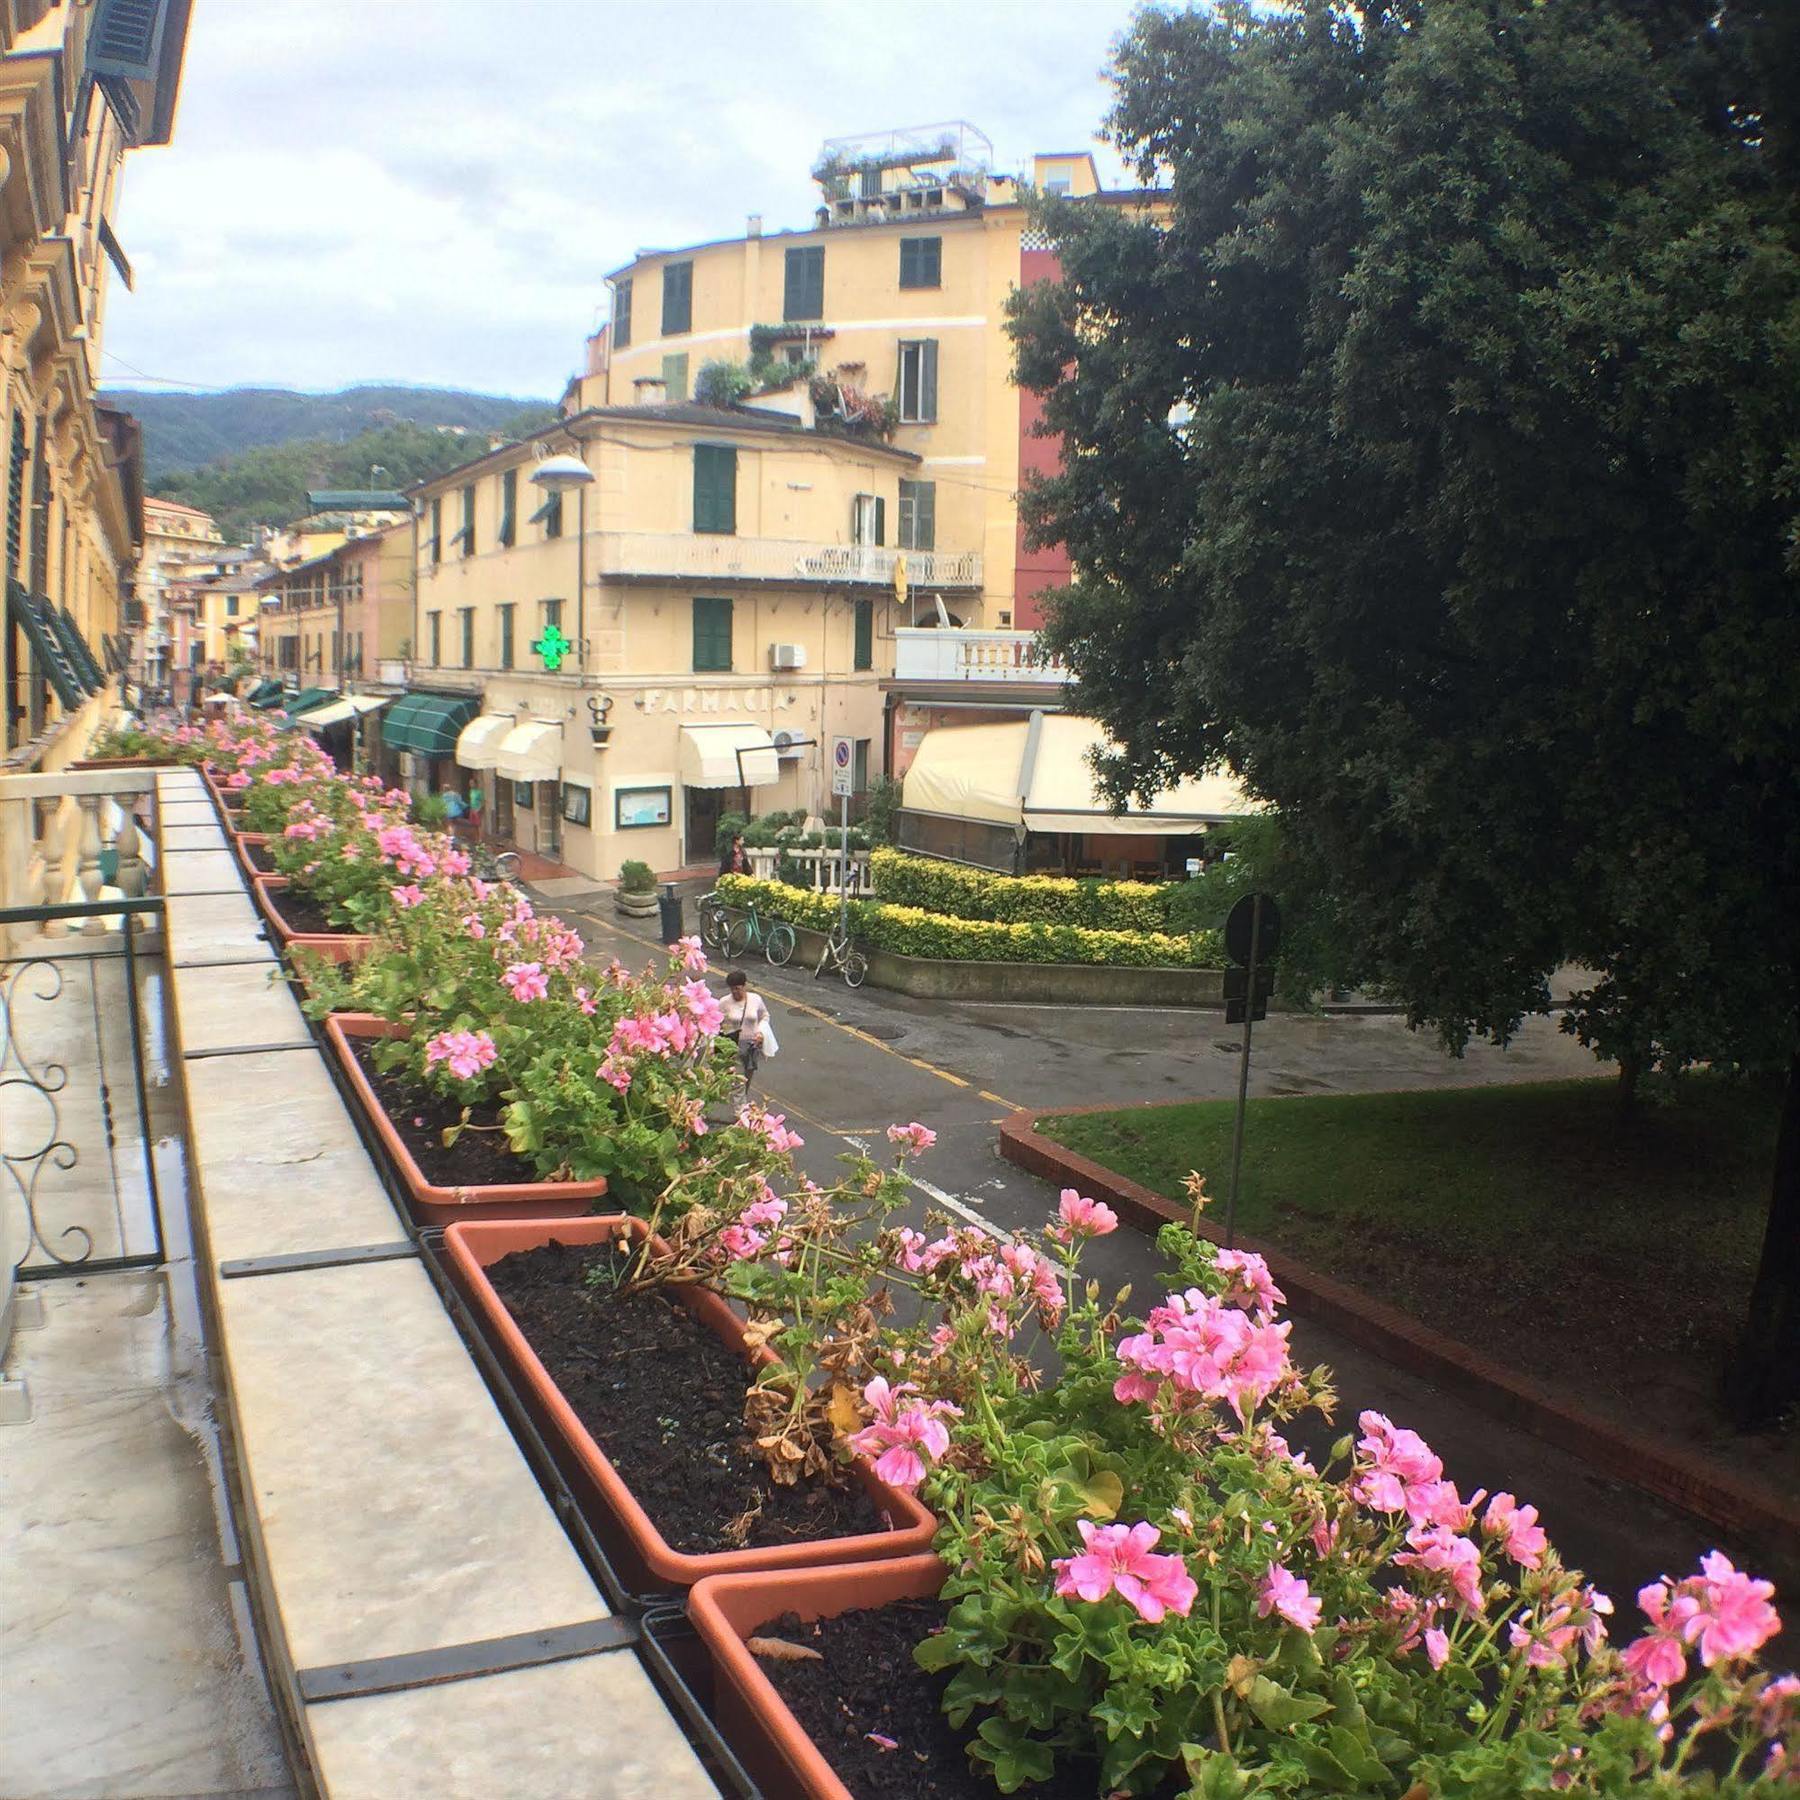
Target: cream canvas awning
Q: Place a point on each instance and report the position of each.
(531, 751)
(1033, 774)
(710, 759)
(352, 706)
(478, 743)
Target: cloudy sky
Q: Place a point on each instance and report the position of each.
(431, 190)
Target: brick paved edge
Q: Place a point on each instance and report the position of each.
(1737, 1506)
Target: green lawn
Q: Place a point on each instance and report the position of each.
(1610, 1255)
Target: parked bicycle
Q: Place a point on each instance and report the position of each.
(506, 865)
(715, 921)
(841, 956)
(774, 937)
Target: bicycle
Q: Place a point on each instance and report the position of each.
(715, 921)
(842, 956)
(774, 937)
(506, 865)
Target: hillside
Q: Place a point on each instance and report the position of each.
(185, 431)
(268, 485)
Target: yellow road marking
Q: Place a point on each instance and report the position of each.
(1000, 1100)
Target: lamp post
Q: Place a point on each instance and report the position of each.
(557, 475)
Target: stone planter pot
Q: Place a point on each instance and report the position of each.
(437, 1205)
(473, 1247)
(635, 906)
(753, 1717)
(340, 946)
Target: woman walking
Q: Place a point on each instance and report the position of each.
(746, 1023)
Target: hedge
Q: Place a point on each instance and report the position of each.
(942, 887)
(911, 931)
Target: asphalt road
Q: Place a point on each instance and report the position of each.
(852, 1063)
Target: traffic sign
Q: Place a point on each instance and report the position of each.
(842, 770)
(1240, 925)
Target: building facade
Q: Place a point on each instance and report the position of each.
(81, 83)
(342, 617)
(600, 673)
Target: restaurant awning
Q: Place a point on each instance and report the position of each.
(481, 738)
(710, 756)
(531, 751)
(307, 699)
(1034, 775)
(427, 724)
(339, 712)
(265, 693)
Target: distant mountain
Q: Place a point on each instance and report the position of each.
(185, 431)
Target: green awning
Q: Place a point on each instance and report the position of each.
(307, 699)
(265, 693)
(427, 724)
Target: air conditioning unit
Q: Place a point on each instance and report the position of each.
(787, 656)
(785, 746)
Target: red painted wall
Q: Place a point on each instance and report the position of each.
(1035, 570)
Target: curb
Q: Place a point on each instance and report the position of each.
(1624, 1455)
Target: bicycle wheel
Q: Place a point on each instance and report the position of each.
(715, 927)
(739, 939)
(856, 968)
(780, 945)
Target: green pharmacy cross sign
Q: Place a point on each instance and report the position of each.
(553, 647)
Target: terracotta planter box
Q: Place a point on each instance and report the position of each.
(228, 800)
(241, 841)
(446, 1205)
(753, 1717)
(473, 1247)
(265, 888)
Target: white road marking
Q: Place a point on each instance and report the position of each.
(961, 1208)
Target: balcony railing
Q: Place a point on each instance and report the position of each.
(652, 555)
(952, 655)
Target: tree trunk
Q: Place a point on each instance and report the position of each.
(1631, 1066)
(1765, 1373)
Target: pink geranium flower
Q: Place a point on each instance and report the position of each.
(914, 1139)
(1084, 1218)
(1118, 1559)
(465, 1053)
(410, 895)
(1516, 1526)
(526, 981)
(1284, 1592)
(1455, 1560)
(906, 1435)
(1732, 1616)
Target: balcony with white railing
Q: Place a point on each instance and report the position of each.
(949, 655)
(681, 556)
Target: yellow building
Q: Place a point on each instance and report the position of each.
(81, 82)
(684, 629)
(341, 617)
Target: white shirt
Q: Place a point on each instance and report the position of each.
(746, 1015)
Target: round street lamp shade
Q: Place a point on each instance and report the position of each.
(558, 473)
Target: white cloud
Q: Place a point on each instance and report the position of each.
(433, 190)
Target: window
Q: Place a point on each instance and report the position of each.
(467, 615)
(466, 537)
(678, 298)
(864, 655)
(859, 768)
(506, 637)
(553, 613)
(509, 507)
(337, 653)
(715, 489)
(1057, 184)
(803, 293)
(712, 637)
(524, 795)
(675, 368)
(621, 320)
(434, 628)
(870, 184)
(437, 532)
(918, 515)
(551, 513)
(231, 606)
(868, 520)
(577, 803)
(921, 262)
(918, 381)
(636, 808)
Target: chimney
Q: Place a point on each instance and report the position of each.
(753, 225)
(652, 390)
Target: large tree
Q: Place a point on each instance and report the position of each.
(1433, 458)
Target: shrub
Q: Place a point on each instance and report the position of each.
(722, 384)
(636, 877)
(944, 887)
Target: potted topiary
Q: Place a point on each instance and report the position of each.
(636, 897)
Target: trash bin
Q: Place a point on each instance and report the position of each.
(668, 907)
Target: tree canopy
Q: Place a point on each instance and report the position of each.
(1433, 458)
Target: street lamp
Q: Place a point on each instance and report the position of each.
(557, 475)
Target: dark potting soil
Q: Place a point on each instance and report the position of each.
(261, 858)
(299, 914)
(665, 1400)
(866, 1688)
(476, 1159)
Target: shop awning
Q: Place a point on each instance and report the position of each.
(265, 693)
(710, 756)
(339, 712)
(1034, 775)
(481, 738)
(427, 724)
(531, 751)
(307, 699)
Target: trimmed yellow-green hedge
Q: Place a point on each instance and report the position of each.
(942, 887)
(911, 931)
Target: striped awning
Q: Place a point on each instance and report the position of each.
(427, 724)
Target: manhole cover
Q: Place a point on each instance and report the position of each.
(886, 1033)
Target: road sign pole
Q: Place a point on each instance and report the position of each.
(1237, 1130)
(844, 867)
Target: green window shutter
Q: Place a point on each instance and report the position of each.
(864, 656)
(928, 380)
(926, 528)
(712, 636)
(467, 534)
(621, 331)
(677, 298)
(506, 637)
(921, 262)
(880, 520)
(509, 507)
(675, 371)
(803, 290)
(437, 531)
(715, 489)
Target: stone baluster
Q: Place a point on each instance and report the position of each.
(134, 873)
(58, 856)
(88, 871)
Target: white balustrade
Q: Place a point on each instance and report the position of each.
(824, 869)
(720, 558)
(922, 653)
(55, 832)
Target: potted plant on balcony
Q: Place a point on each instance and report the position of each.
(636, 895)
